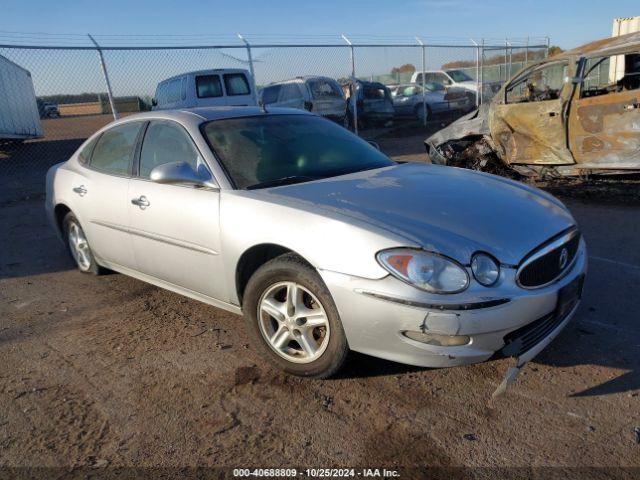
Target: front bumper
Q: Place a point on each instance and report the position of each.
(374, 324)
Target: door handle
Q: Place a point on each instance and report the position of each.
(81, 190)
(552, 114)
(141, 202)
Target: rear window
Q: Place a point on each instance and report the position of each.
(208, 86)
(324, 89)
(236, 84)
(85, 153)
(374, 93)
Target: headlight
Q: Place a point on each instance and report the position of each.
(428, 271)
(485, 269)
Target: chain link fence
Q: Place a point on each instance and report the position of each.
(67, 94)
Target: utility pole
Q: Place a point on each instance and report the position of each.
(253, 75)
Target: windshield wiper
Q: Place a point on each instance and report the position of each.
(283, 181)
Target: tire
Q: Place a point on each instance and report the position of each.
(82, 256)
(296, 335)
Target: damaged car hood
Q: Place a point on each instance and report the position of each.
(473, 123)
(448, 210)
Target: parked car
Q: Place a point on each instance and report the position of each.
(206, 88)
(407, 101)
(458, 79)
(568, 114)
(323, 243)
(48, 109)
(374, 104)
(321, 95)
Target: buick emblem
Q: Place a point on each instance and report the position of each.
(564, 257)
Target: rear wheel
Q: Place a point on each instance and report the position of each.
(291, 316)
(79, 245)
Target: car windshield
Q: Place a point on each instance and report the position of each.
(459, 76)
(375, 92)
(271, 150)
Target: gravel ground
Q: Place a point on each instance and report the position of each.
(109, 371)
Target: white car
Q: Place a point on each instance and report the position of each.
(319, 239)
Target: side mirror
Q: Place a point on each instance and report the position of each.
(154, 102)
(182, 173)
(375, 145)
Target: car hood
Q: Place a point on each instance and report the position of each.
(449, 210)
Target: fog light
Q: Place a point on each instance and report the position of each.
(438, 340)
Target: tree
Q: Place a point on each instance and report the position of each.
(406, 68)
(554, 50)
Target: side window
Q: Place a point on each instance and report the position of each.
(270, 94)
(208, 86)
(184, 88)
(114, 150)
(290, 91)
(441, 78)
(605, 75)
(538, 84)
(419, 78)
(163, 143)
(85, 153)
(236, 84)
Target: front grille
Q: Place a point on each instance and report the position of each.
(523, 339)
(544, 269)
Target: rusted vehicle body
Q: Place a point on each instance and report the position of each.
(573, 113)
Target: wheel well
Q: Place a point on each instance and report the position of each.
(253, 259)
(61, 211)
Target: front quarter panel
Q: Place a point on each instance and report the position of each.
(324, 239)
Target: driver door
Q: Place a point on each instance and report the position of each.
(529, 125)
(175, 229)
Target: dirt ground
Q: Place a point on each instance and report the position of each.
(111, 372)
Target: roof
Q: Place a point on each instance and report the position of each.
(216, 113)
(210, 71)
(605, 46)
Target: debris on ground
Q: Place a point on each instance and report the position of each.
(637, 432)
(472, 437)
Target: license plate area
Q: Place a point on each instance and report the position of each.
(568, 297)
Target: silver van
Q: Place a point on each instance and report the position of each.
(321, 95)
(206, 88)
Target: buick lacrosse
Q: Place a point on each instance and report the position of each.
(319, 240)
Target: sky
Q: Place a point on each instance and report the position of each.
(568, 22)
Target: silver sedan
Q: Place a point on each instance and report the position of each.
(323, 243)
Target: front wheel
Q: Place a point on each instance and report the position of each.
(291, 316)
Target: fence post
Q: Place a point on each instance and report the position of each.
(354, 85)
(424, 67)
(477, 72)
(481, 92)
(253, 75)
(510, 62)
(546, 53)
(526, 53)
(106, 78)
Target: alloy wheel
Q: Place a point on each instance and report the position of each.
(293, 322)
(79, 246)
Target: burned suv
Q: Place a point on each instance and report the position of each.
(577, 112)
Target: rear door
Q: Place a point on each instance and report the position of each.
(326, 97)
(529, 124)
(291, 96)
(604, 122)
(238, 89)
(102, 194)
(175, 228)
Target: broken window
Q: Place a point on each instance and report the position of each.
(539, 84)
(604, 75)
